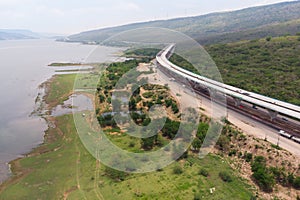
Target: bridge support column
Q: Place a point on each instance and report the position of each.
(212, 93)
(237, 101)
(273, 114)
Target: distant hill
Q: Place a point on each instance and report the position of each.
(278, 29)
(10, 34)
(249, 23)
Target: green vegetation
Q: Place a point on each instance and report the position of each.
(62, 168)
(147, 54)
(273, 30)
(266, 67)
(177, 169)
(262, 175)
(225, 176)
(60, 89)
(252, 23)
(204, 172)
(266, 176)
(64, 64)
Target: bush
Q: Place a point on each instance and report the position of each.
(268, 39)
(203, 172)
(248, 157)
(148, 94)
(196, 144)
(262, 175)
(115, 174)
(296, 183)
(253, 197)
(290, 178)
(177, 170)
(175, 108)
(197, 196)
(223, 143)
(225, 176)
(232, 152)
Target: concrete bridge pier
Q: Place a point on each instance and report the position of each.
(212, 93)
(237, 101)
(273, 114)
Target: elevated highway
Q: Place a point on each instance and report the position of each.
(274, 106)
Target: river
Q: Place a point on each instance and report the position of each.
(24, 66)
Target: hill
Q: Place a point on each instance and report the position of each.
(211, 26)
(9, 34)
(268, 66)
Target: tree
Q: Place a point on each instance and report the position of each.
(202, 130)
(101, 98)
(196, 144)
(132, 104)
(148, 143)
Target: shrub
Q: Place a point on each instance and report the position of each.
(177, 170)
(296, 183)
(115, 174)
(290, 178)
(232, 152)
(253, 197)
(197, 196)
(262, 175)
(268, 39)
(225, 176)
(248, 157)
(203, 172)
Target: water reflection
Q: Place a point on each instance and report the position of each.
(76, 103)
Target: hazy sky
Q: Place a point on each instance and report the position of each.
(72, 16)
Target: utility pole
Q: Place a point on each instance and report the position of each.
(266, 139)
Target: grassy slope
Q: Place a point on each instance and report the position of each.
(278, 29)
(271, 67)
(60, 89)
(63, 169)
(210, 25)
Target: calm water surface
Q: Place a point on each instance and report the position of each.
(23, 68)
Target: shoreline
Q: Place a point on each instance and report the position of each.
(13, 165)
(42, 110)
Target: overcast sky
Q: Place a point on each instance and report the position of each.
(73, 16)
